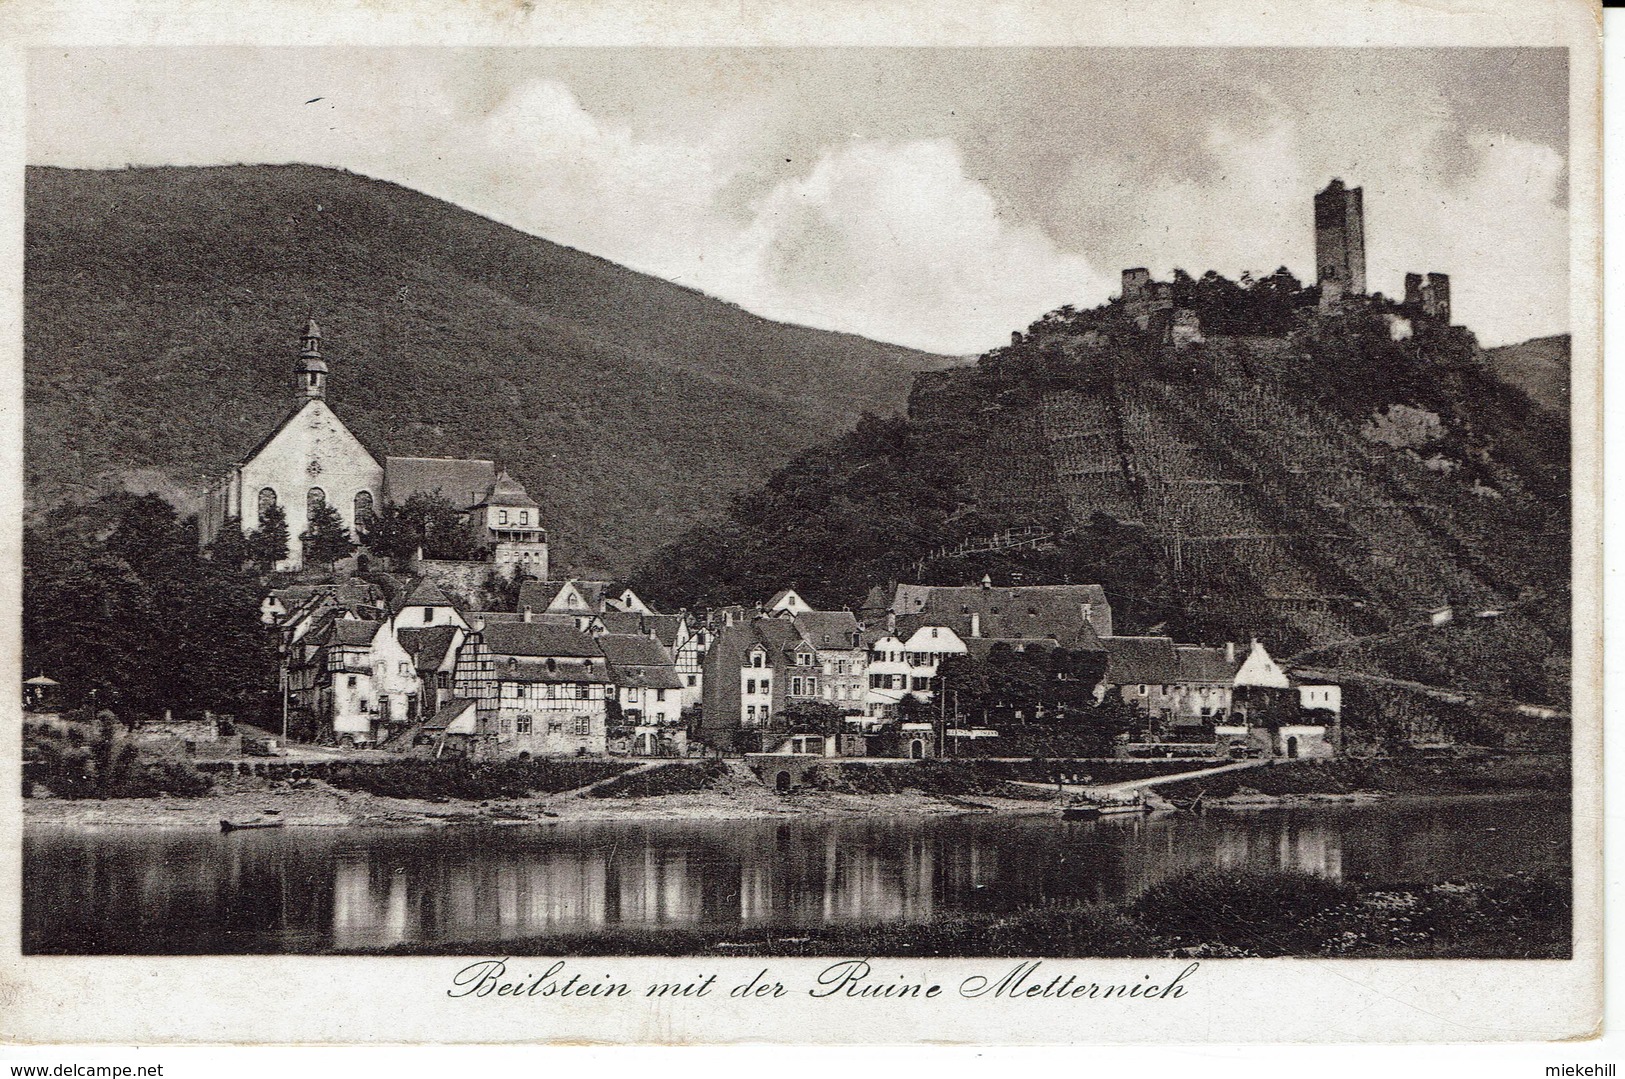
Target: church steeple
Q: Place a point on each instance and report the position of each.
(312, 368)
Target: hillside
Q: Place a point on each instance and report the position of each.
(164, 305)
(1538, 367)
(1247, 485)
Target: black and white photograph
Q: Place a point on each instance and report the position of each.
(538, 505)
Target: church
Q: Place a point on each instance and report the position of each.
(311, 458)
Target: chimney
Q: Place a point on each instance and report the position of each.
(987, 581)
(527, 614)
(975, 624)
(1229, 651)
(891, 621)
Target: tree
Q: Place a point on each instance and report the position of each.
(818, 717)
(231, 548)
(426, 522)
(326, 540)
(268, 544)
(136, 618)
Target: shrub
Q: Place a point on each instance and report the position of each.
(1263, 911)
(473, 781)
(666, 779)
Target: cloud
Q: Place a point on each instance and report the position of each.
(1487, 209)
(890, 239)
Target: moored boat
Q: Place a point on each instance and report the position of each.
(1104, 803)
(239, 826)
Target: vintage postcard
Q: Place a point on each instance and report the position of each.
(648, 523)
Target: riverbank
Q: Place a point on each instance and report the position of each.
(1287, 784)
(713, 791)
(316, 804)
(1199, 915)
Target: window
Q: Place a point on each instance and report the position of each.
(522, 724)
(581, 693)
(750, 713)
(507, 725)
(795, 687)
(1142, 689)
(349, 682)
(524, 517)
(363, 507)
(692, 679)
(315, 499)
(442, 679)
(366, 705)
(583, 724)
(405, 669)
(750, 685)
(933, 631)
(757, 659)
(767, 686)
(502, 517)
(660, 694)
(267, 500)
(428, 615)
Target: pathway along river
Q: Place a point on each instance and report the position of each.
(128, 890)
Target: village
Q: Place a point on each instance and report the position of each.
(489, 654)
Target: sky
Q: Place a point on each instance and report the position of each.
(936, 198)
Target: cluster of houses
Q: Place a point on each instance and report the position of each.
(588, 668)
(404, 659)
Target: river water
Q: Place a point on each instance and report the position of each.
(123, 890)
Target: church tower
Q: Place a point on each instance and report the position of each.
(312, 368)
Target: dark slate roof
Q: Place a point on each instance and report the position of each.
(593, 670)
(536, 595)
(1026, 611)
(827, 629)
(665, 627)
(622, 622)
(646, 677)
(1133, 660)
(353, 633)
(538, 639)
(630, 648)
(424, 593)
(461, 481)
(776, 634)
(507, 491)
(448, 712)
(1199, 664)
(427, 646)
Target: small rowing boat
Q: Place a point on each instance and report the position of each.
(1104, 803)
(243, 826)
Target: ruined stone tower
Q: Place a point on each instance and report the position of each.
(1340, 240)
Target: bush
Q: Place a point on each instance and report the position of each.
(666, 779)
(938, 777)
(1259, 910)
(99, 764)
(473, 781)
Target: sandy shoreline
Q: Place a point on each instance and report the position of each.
(323, 806)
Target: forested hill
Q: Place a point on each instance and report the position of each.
(164, 307)
(1300, 477)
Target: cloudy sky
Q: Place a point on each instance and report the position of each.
(931, 197)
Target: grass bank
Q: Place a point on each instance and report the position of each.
(1205, 914)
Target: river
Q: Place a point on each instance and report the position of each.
(132, 890)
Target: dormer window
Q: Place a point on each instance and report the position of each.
(502, 517)
(524, 517)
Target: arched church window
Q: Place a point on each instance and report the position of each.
(314, 501)
(267, 500)
(363, 506)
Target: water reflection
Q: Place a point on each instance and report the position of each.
(137, 890)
